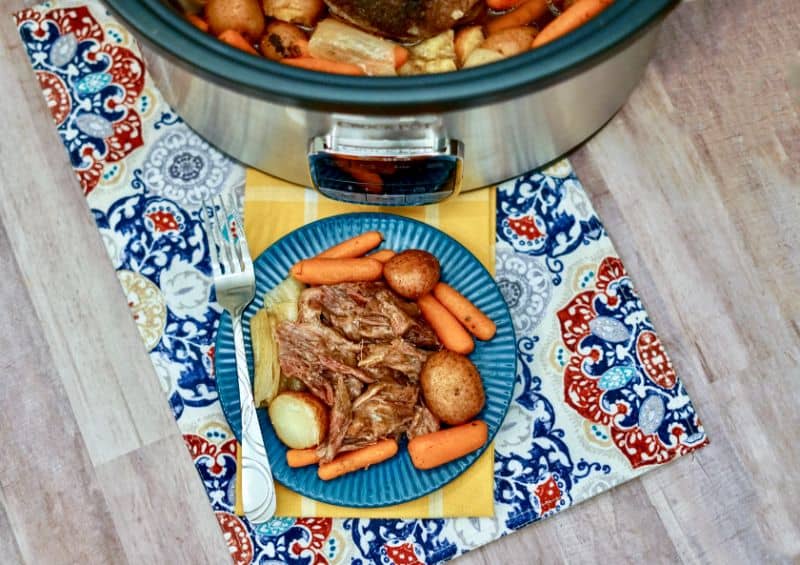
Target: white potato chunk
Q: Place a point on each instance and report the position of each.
(300, 419)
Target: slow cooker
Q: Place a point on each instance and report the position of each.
(432, 134)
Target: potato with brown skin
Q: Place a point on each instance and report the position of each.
(244, 16)
(412, 273)
(510, 41)
(303, 12)
(452, 387)
(467, 40)
(284, 41)
(300, 419)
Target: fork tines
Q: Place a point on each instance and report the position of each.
(225, 231)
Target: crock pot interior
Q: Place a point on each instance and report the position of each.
(166, 30)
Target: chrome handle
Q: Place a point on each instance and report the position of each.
(386, 161)
(258, 486)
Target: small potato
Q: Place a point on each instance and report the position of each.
(437, 47)
(244, 16)
(434, 55)
(510, 41)
(412, 273)
(300, 419)
(303, 12)
(481, 56)
(467, 40)
(416, 67)
(452, 387)
(282, 41)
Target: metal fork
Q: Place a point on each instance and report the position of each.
(235, 283)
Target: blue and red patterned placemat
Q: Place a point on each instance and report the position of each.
(596, 401)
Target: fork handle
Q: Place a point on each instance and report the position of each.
(258, 486)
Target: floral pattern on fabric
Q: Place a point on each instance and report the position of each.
(596, 400)
(620, 376)
(546, 216)
(90, 85)
(182, 166)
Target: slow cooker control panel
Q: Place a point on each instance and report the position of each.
(386, 161)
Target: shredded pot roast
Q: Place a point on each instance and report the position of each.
(360, 348)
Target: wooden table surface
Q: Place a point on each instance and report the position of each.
(698, 182)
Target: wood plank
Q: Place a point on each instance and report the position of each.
(108, 378)
(612, 525)
(8, 542)
(49, 488)
(157, 489)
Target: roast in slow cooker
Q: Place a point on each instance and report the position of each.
(446, 131)
(389, 37)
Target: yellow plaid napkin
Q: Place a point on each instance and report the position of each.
(273, 208)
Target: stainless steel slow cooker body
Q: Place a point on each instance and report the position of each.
(488, 123)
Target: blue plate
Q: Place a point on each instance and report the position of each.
(396, 480)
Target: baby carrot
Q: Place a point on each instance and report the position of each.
(358, 459)
(302, 457)
(334, 271)
(570, 19)
(354, 247)
(236, 39)
(324, 66)
(197, 22)
(400, 56)
(449, 330)
(502, 5)
(383, 255)
(437, 448)
(524, 14)
(465, 311)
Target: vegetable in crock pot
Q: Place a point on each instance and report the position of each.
(503, 5)
(302, 12)
(389, 37)
(481, 56)
(324, 66)
(510, 41)
(236, 39)
(572, 18)
(434, 55)
(282, 40)
(526, 13)
(466, 41)
(244, 16)
(336, 41)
